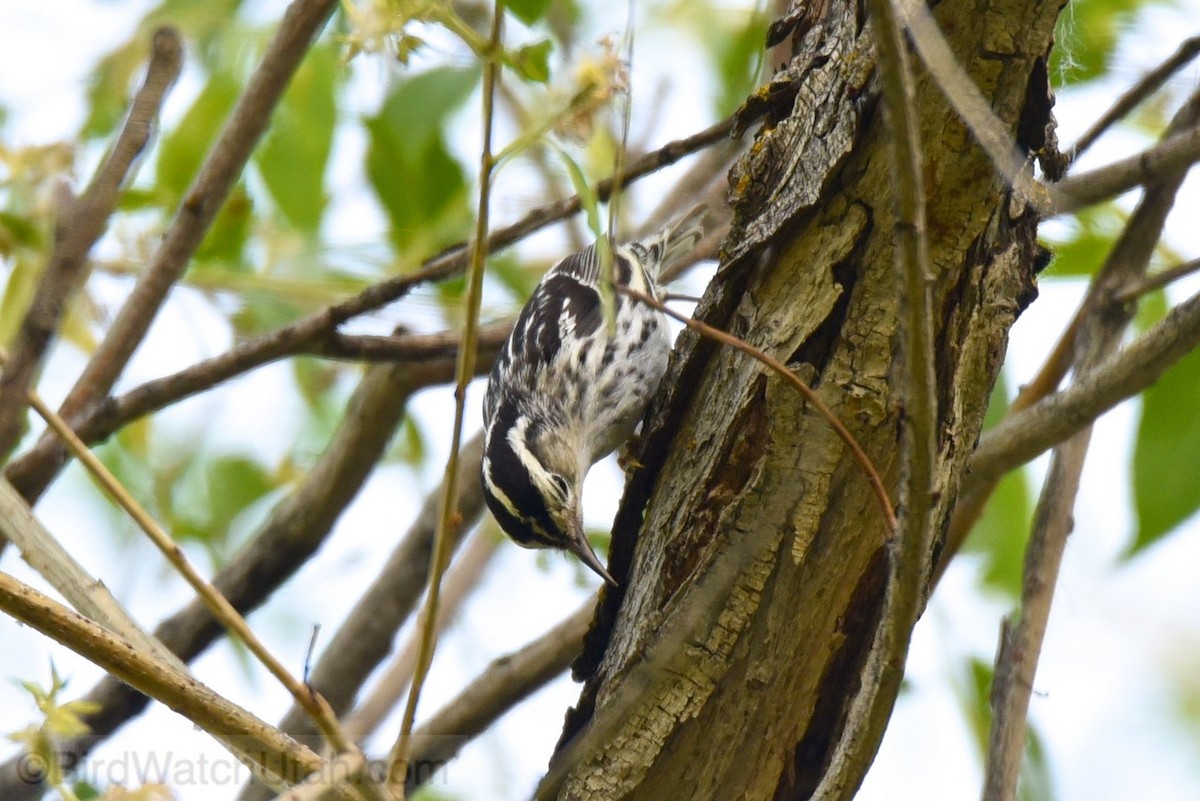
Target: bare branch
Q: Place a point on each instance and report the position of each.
(411, 347)
(275, 753)
(1134, 95)
(365, 638)
(506, 682)
(34, 471)
(82, 223)
(53, 562)
(1088, 188)
(1024, 435)
(1021, 639)
(293, 532)
(461, 579)
(1157, 280)
(449, 520)
(300, 25)
(216, 603)
(909, 542)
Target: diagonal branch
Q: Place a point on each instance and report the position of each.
(299, 27)
(294, 530)
(276, 754)
(1134, 95)
(365, 638)
(83, 222)
(1022, 635)
(503, 684)
(34, 471)
(1026, 434)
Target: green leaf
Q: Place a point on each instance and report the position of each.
(528, 11)
(1081, 253)
(229, 231)
(532, 62)
(422, 187)
(1086, 37)
(18, 231)
(414, 114)
(293, 158)
(1003, 530)
(18, 293)
(738, 61)
(208, 495)
(1166, 458)
(182, 151)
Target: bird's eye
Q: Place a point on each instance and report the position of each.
(560, 483)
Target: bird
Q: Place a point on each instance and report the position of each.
(569, 387)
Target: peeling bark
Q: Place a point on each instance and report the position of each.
(749, 545)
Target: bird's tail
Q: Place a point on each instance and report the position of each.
(681, 236)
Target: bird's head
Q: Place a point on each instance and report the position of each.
(533, 483)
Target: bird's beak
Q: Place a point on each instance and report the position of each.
(583, 549)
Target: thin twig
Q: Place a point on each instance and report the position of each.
(1022, 638)
(502, 685)
(295, 529)
(34, 471)
(217, 176)
(1134, 95)
(82, 223)
(706, 330)
(973, 108)
(364, 639)
(461, 580)
(449, 519)
(217, 603)
(1088, 188)
(275, 753)
(1157, 280)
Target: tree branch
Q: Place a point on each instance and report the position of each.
(449, 520)
(506, 682)
(294, 530)
(1132, 97)
(461, 579)
(1150, 166)
(83, 222)
(34, 471)
(217, 176)
(1021, 639)
(1023, 436)
(275, 753)
(365, 638)
(910, 541)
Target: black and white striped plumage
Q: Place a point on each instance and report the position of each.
(563, 394)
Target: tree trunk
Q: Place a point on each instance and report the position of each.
(749, 546)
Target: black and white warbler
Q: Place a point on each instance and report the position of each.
(563, 393)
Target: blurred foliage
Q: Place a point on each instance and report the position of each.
(58, 719)
(1166, 459)
(279, 247)
(1087, 36)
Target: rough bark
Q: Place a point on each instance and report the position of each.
(749, 546)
